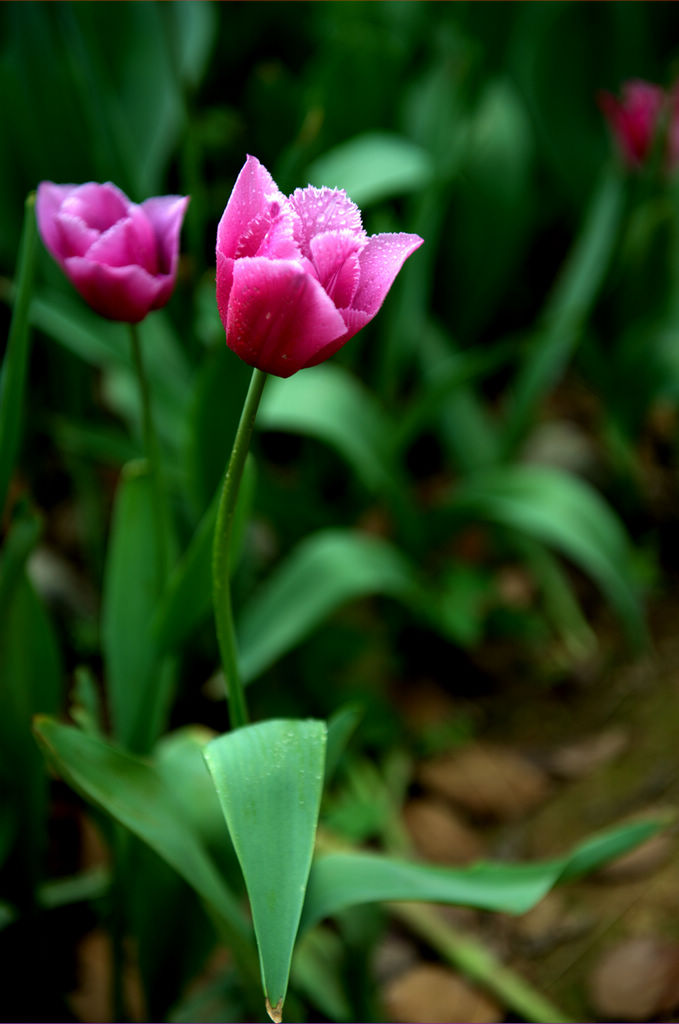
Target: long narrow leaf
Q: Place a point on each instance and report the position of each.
(15, 363)
(132, 792)
(341, 880)
(327, 403)
(138, 681)
(564, 512)
(568, 308)
(321, 574)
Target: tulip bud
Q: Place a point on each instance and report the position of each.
(636, 118)
(297, 276)
(121, 257)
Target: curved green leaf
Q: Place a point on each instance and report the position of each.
(269, 779)
(564, 512)
(374, 166)
(133, 792)
(323, 572)
(341, 880)
(327, 403)
(567, 309)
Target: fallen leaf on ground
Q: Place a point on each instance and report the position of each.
(489, 781)
(439, 833)
(580, 758)
(636, 980)
(431, 994)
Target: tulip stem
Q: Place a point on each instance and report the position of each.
(152, 450)
(221, 583)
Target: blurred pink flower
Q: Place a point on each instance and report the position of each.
(122, 258)
(636, 118)
(298, 276)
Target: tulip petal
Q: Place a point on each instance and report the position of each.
(335, 257)
(100, 206)
(324, 209)
(130, 241)
(354, 321)
(270, 234)
(74, 236)
(279, 316)
(224, 283)
(252, 195)
(48, 201)
(118, 293)
(166, 215)
(380, 262)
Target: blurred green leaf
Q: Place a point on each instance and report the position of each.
(567, 309)
(566, 513)
(327, 403)
(15, 362)
(31, 674)
(187, 599)
(372, 167)
(340, 880)
(219, 388)
(341, 727)
(179, 759)
(494, 205)
(139, 683)
(322, 573)
(105, 345)
(269, 779)
(317, 972)
(132, 792)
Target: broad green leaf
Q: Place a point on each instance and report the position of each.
(374, 166)
(327, 403)
(322, 573)
(15, 362)
(179, 759)
(269, 779)
(563, 512)
(567, 309)
(134, 794)
(341, 880)
(139, 683)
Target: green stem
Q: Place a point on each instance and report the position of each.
(464, 951)
(13, 381)
(221, 586)
(152, 450)
(477, 963)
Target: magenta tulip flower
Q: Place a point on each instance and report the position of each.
(121, 257)
(636, 118)
(298, 276)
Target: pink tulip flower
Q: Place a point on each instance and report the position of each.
(298, 276)
(636, 118)
(121, 257)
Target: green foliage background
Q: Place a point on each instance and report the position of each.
(508, 390)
